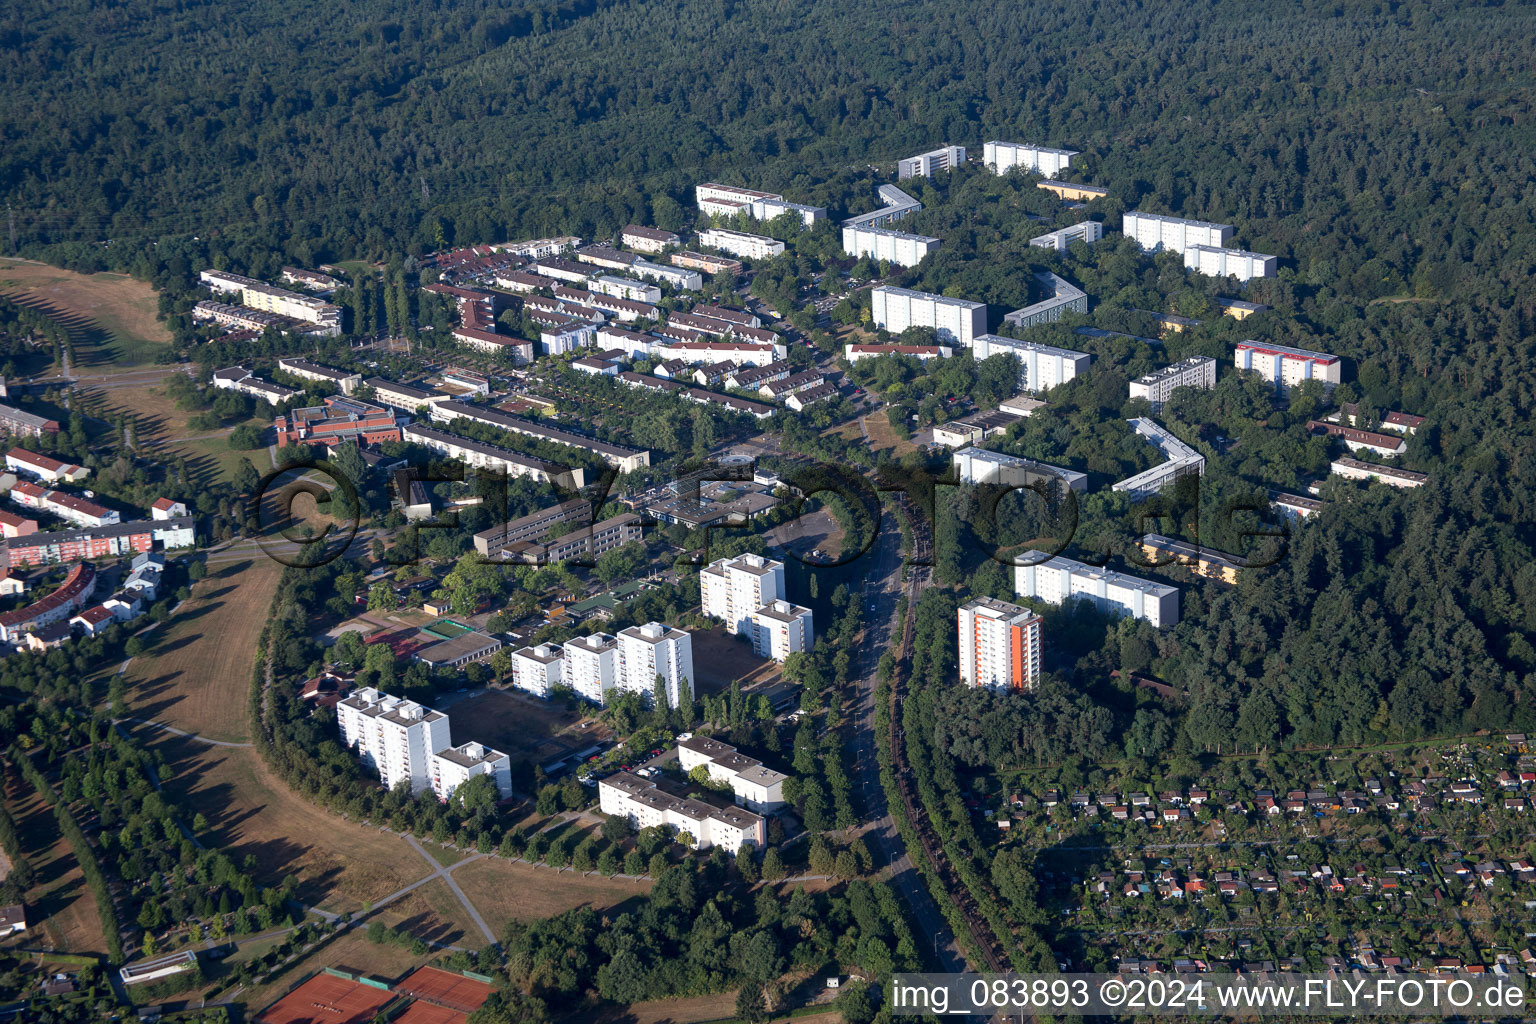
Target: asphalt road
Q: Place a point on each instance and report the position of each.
(883, 591)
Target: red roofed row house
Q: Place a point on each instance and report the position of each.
(72, 595)
(44, 468)
(65, 506)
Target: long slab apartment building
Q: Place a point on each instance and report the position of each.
(620, 457)
(1285, 367)
(523, 539)
(1002, 157)
(270, 299)
(896, 247)
(728, 200)
(407, 742)
(1157, 386)
(1062, 579)
(926, 165)
(956, 321)
(740, 243)
(1179, 460)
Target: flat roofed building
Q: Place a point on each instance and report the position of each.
(894, 205)
(644, 805)
(739, 243)
(585, 543)
(1294, 506)
(755, 786)
(853, 352)
(707, 263)
(1201, 560)
(536, 670)
(394, 736)
(1073, 190)
(493, 457)
(896, 247)
(1061, 579)
(533, 527)
(652, 650)
(1062, 296)
(592, 666)
(1179, 460)
(675, 276)
(625, 288)
(973, 429)
(1041, 366)
(955, 321)
(648, 239)
(454, 766)
(1354, 469)
(456, 652)
(1155, 387)
(1087, 232)
(1236, 263)
(1154, 232)
(1287, 367)
(345, 380)
(1002, 157)
(999, 645)
(980, 466)
(781, 628)
(403, 396)
(731, 589)
(1237, 309)
(926, 165)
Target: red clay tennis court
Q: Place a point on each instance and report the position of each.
(428, 1013)
(445, 988)
(327, 999)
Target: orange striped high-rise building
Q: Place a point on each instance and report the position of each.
(999, 645)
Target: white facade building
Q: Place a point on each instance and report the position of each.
(625, 288)
(728, 201)
(1286, 367)
(1215, 262)
(732, 589)
(536, 670)
(757, 788)
(780, 628)
(926, 165)
(1002, 157)
(1155, 387)
(1062, 296)
(1180, 460)
(980, 466)
(652, 650)
(681, 278)
(894, 205)
(592, 666)
(896, 247)
(1088, 232)
(1041, 367)
(739, 243)
(644, 805)
(394, 736)
(1153, 231)
(1061, 579)
(454, 766)
(999, 645)
(956, 321)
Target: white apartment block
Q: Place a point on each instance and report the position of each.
(592, 666)
(1215, 262)
(1286, 367)
(999, 645)
(1041, 367)
(1153, 231)
(733, 589)
(644, 805)
(394, 736)
(1062, 579)
(1155, 387)
(1062, 296)
(454, 766)
(739, 243)
(1179, 460)
(896, 247)
(1354, 469)
(1002, 157)
(536, 670)
(926, 165)
(1088, 232)
(980, 466)
(727, 201)
(956, 321)
(260, 295)
(757, 788)
(681, 278)
(644, 239)
(624, 288)
(652, 650)
(894, 205)
(780, 628)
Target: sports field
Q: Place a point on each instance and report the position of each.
(327, 997)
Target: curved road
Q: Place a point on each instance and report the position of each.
(883, 590)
